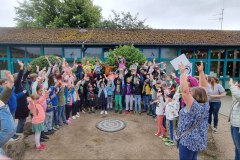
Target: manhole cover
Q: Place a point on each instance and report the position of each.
(111, 125)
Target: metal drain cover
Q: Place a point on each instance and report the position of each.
(111, 125)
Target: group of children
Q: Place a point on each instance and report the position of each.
(57, 95)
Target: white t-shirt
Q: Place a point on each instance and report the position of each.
(160, 107)
(172, 108)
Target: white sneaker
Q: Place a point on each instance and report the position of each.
(73, 117)
(78, 113)
(101, 112)
(105, 112)
(215, 130)
(77, 116)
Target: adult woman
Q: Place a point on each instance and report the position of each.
(235, 117)
(193, 119)
(216, 92)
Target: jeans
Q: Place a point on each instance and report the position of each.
(137, 103)
(118, 102)
(68, 111)
(214, 110)
(171, 128)
(236, 140)
(48, 121)
(129, 99)
(61, 114)
(146, 103)
(154, 109)
(56, 117)
(7, 125)
(109, 102)
(20, 125)
(186, 154)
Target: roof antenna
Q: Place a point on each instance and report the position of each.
(220, 18)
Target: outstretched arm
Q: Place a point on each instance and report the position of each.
(187, 97)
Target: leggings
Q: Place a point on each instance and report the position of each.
(68, 111)
(37, 138)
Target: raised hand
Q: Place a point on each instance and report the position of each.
(182, 68)
(9, 76)
(200, 67)
(46, 57)
(29, 67)
(173, 74)
(21, 64)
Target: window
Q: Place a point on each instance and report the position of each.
(233, 69)
(93, 52)
(151, 53)
(33, 52)
(16, 67)
(188, 52)
(234, 54)
(3, 52)
(17, 52)
(216, 69)
(3, 66)
(53, 51)
(201, 54)
(106, 50)
(218, 54)
(72, 52)
(168, 53)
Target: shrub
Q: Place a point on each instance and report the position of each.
(42, 62)
(129, 52)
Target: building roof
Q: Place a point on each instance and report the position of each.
(118, 36)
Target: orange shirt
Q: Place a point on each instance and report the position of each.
(107, 69)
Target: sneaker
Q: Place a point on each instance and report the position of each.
(43, 145)
(126, 112)
(160, 136)
(77, 116)
(116, 111)
(39, 148)
(215, 130)
(43, 140)
(166, 139)
(156, 134)
(170, 143)
(68, 122)
(106, 112)
(43, 136)
(74, 117)
(120, 112)
(15, 138)
(102, 112)
(57, 126)
(139, 113)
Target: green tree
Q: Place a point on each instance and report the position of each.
(130, 53)
(57, 13)
(42, 62)
(123, 20)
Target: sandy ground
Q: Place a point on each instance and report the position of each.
(82, 140)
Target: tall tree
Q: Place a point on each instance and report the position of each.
(57, 13)
(123, 20)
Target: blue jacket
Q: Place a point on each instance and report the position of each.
(54, 100)
(12, 103)
(110, 89)
(68, 95)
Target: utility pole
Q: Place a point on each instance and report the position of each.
(222, 19)
(221, 15)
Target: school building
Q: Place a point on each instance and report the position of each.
(219, 50)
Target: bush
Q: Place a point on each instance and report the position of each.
(42, 62)
(130, 53)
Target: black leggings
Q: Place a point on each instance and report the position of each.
(68, 111)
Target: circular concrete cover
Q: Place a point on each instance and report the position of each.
(111, 125)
